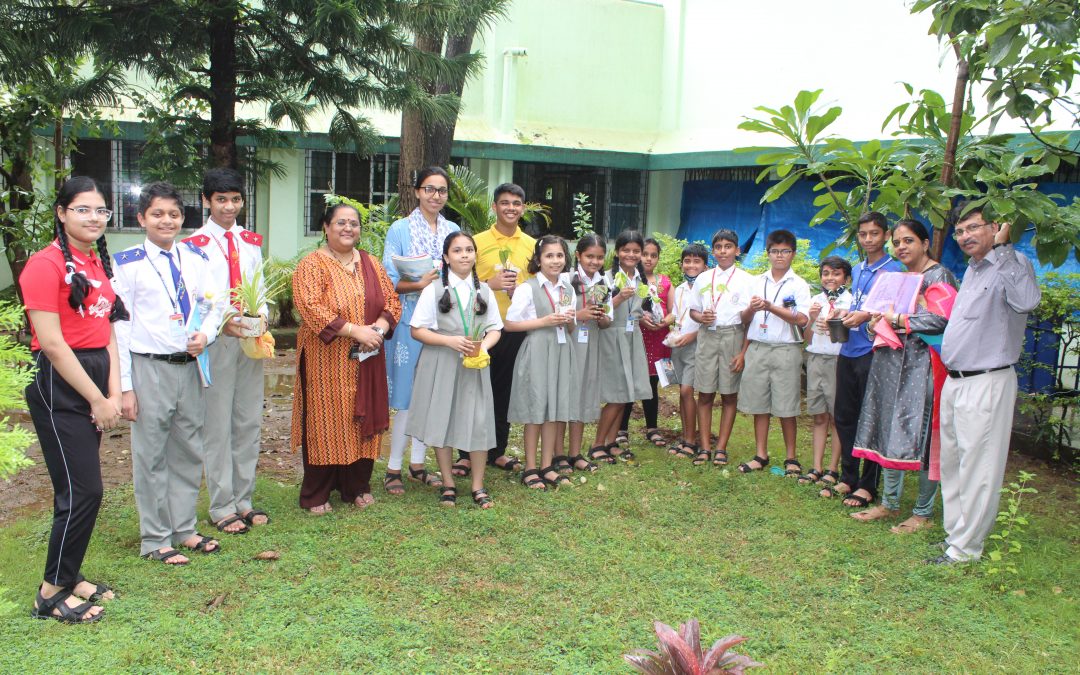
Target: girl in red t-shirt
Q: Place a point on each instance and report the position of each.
(75, 395)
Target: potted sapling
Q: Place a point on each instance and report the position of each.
(476, 358)
(254, 292)
(599, 294)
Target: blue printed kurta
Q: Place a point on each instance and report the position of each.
(402, 350)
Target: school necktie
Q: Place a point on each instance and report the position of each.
(178, 283)
(234, 265)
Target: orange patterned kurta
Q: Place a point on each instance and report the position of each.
(324, 290)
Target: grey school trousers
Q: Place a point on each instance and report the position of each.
(166, 449)
(234, 405)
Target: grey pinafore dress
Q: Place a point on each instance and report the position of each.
(451, 405)
(587, 367)
(545, 387)
(624, 369)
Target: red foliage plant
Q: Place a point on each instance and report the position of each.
(680, 653)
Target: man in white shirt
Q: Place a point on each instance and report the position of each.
(168, 291)
(771, 381)
(235, 401)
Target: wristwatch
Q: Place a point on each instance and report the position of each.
(379, 330)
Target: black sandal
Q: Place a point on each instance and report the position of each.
(250, 516)
(830, 477)
(99, 589)
(393, 483)
(512, 464)
(45, 607)
(464, 469)
(622, 438)
(425, 477)
(164, 556)
(533, 480)
(575, 459)
(558, 481)
(625, 455)
(600, 454)
(860, 501)
(746, 468)
(481, 498)
(448, 496)
(562, 464)
(682, 449)
(222, 524)
(701, 457)
(655, 437)
(795, 471)
(719, 458)
(810, 477)
(203, 545)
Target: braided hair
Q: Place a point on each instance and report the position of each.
(80, 285)
(445, 303)
(631, 237)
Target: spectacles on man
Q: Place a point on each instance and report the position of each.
(780, 251)
(959, 232)
(432, 190)
(84, 212)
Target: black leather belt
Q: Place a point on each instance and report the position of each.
(973, 373)
(177, 358)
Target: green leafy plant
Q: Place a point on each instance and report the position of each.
(680, 653)
(582, 219)
(470, 199)
(255, 291)
(15, 376)
(670, 262)
(1011, 522)
(806, 266)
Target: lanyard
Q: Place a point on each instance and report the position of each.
(765, 291)
(551, 300)
(467, 325)
(179, 267)
(865, 284)
(682, 307)
(585, 285)
(712, 287)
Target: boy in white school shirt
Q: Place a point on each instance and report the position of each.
(771, 381)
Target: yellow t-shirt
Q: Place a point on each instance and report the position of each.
(488, 244)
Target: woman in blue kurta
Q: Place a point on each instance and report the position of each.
(421, 233)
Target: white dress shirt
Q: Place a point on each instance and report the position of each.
(684, 299)
(522, 307)
(143, 279)
(777, 331)
(821, 343)
(727, 292)
(217, 251)
(426, 314)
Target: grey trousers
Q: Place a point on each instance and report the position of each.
(166, 450)
(893, 488)
(976, 426)
(234, 404)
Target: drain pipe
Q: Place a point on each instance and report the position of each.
(509, 88)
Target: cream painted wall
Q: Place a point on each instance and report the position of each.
(665, 201)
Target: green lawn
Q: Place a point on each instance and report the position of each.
(562, 582)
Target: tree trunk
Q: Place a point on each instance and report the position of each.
(948, 166)
(222, 31)
(441, 136)
(414, 131)
(58, 151)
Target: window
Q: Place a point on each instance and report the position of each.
(367, 180)
(626, 201)
(115, 166)
(616, 196)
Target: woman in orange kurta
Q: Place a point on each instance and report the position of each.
(348, 306)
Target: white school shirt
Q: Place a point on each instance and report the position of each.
(521, 305)
(589, 282)
(216, 249)
(730, 290)
(820, 343)
(777, 330)
(149, 300)
(684, 299)
(426, 314)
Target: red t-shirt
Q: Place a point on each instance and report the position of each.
(43, 288)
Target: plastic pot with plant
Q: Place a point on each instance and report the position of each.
(254, 292)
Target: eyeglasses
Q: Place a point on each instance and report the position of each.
(432, 190)
(780, 251)
(347, 224)
(959, 233)
(85, 212)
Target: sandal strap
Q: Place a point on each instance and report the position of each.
(448, 493)
(390, 477)
(791, 462)
(589, 466)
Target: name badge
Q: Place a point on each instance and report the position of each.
(560, 334)
(712, 326)
(583, 334)
(176, 326)
(764, 328)
(629, 324)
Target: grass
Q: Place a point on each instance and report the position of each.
(564, 582)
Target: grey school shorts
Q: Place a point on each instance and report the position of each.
(683, 359)
(820, 383)
(712, 362)
(771, 380)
